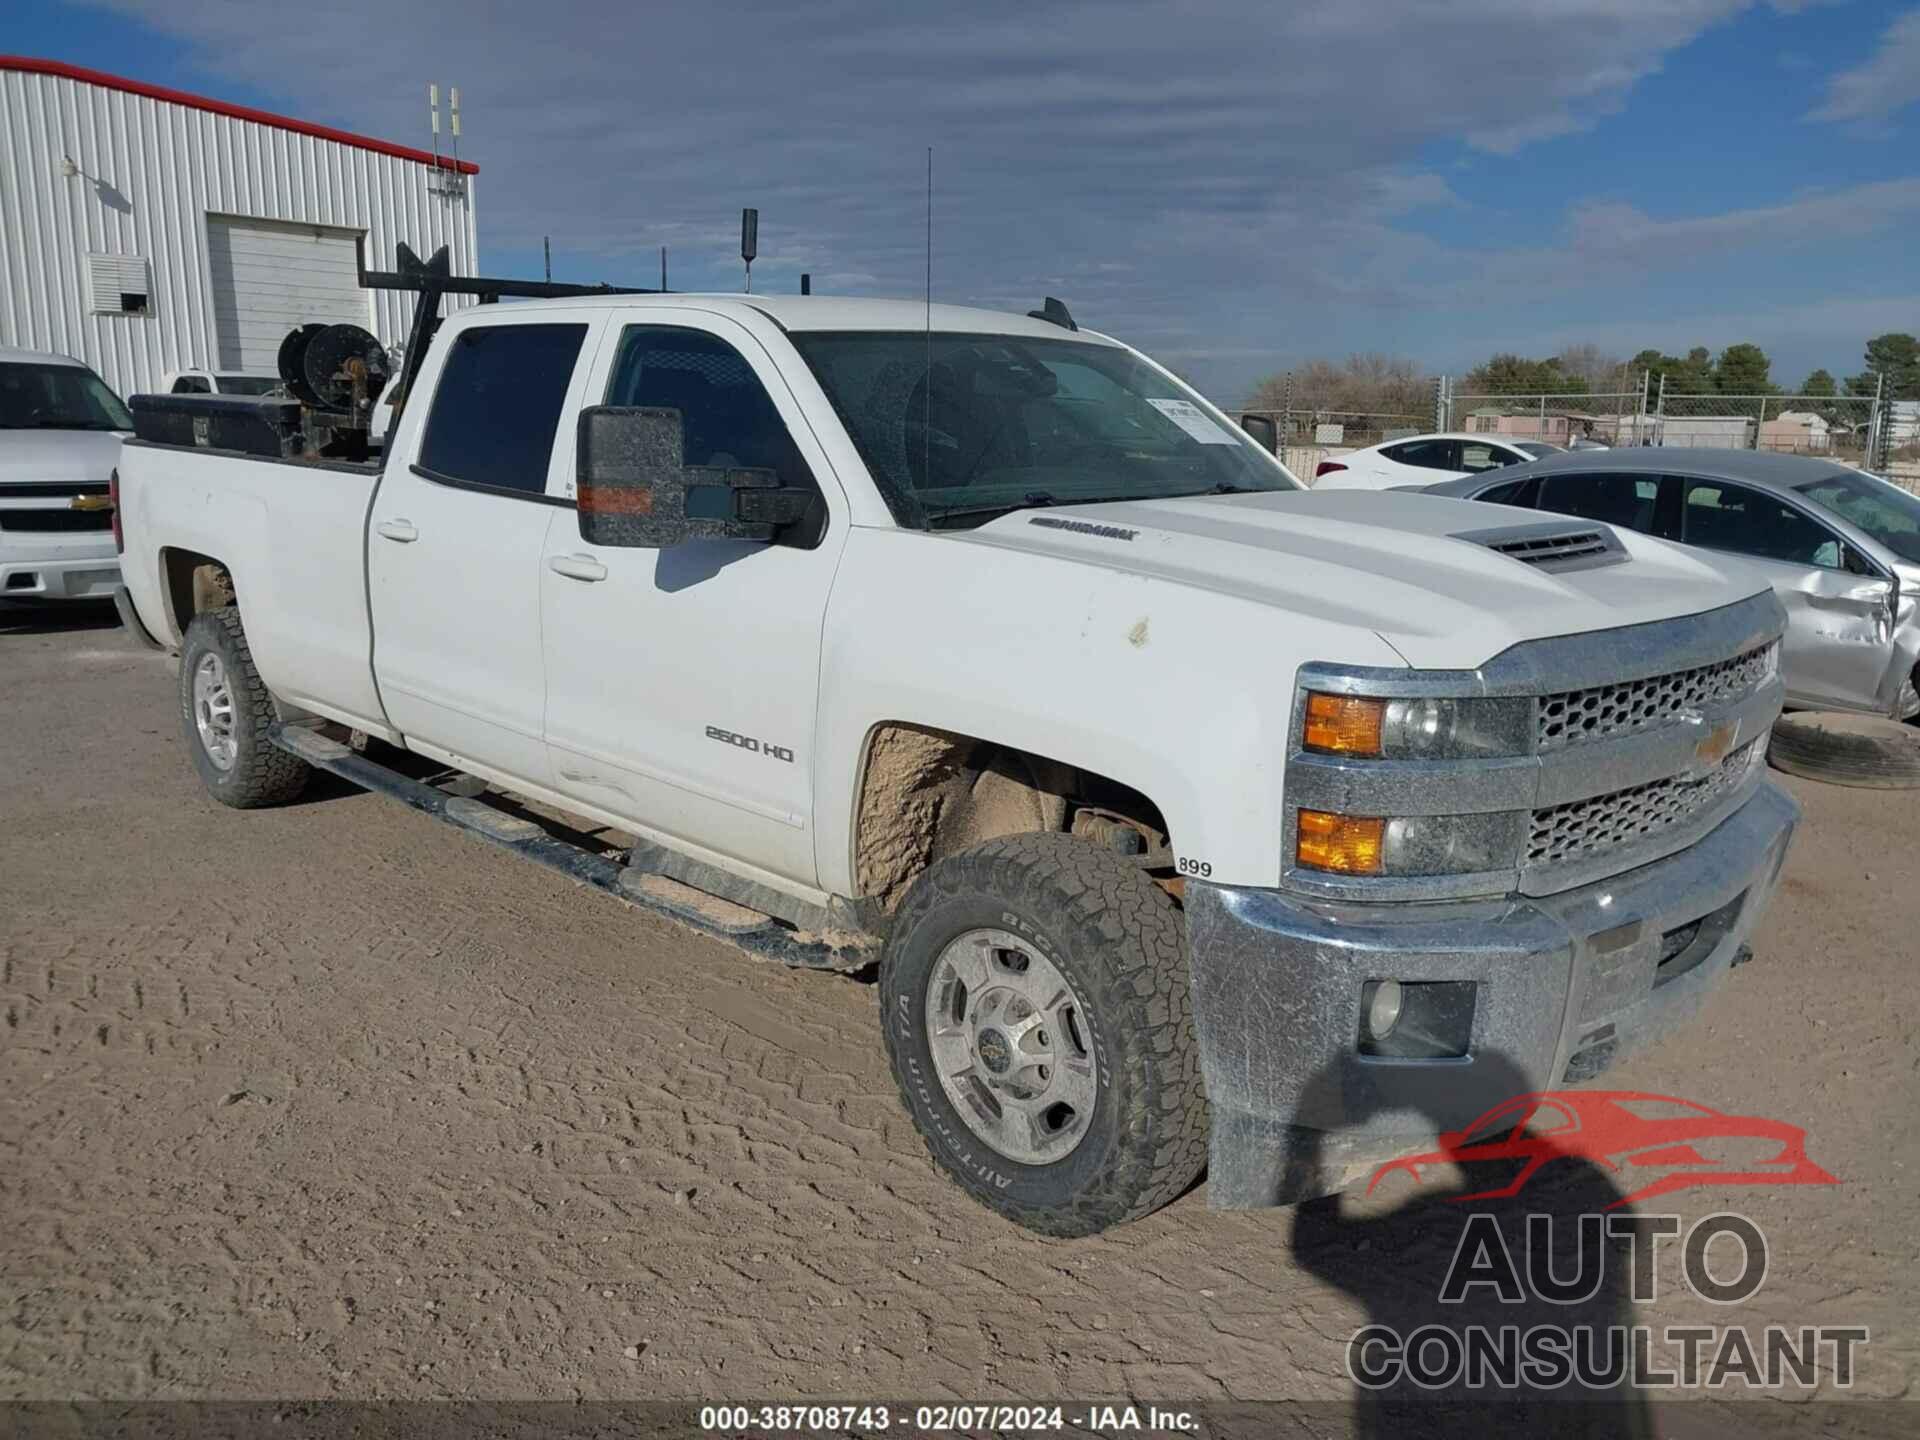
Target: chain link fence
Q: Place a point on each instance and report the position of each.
(1852, 429)
(1861, 430)
(1306, 437)
(1609, 417)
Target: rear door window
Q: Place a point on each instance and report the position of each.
(1478, 455)
(1749, 522)
(1426, 454)
(497, 406)
(1629, 501)
(1519, 493)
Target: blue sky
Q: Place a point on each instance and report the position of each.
(1233, 185)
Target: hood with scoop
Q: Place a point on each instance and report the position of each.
(1448, 584)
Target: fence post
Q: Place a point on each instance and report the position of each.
(1286, 414)
(1879, 431)
(1760, 424)
(1441, 404)
(1660, 413)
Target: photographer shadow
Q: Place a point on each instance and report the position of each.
(1395, 1259)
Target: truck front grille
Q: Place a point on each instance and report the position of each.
(54, 489)
(1582, 828)
(1607, 711)
(55, 522)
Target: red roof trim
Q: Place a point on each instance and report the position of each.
(238, 112)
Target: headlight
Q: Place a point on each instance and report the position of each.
(1409, 845)
(1417, 729)
(1453, 844)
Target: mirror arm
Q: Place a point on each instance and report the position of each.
(777, 505)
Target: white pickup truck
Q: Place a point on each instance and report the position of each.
(1171, 800)
(60, 433)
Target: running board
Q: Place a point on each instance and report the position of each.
(753, 931)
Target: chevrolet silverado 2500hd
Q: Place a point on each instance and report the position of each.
(1174, 801)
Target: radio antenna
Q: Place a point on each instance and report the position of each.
(926, 428)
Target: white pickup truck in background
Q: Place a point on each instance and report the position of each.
(1171, 799)
(60, 434)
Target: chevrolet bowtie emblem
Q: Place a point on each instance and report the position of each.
(1716, 747)
(91, 502)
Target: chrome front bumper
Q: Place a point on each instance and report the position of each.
(1564, 984)
(56, 573)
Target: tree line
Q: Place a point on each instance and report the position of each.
(1394, 385)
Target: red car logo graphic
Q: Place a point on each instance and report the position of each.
(1628, 1132)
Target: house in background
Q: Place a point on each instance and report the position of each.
(144, 230)
(1800, 431)
(1559, 427)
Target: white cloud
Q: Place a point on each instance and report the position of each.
(1885, 84)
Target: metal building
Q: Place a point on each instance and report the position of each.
(144, 229)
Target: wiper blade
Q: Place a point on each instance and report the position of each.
(1033, 499)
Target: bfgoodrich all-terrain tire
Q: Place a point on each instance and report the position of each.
(225, 713)
(1037, 1018)
(1860, 750)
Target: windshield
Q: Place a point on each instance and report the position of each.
(1538, 448)
(57, 397)
(248, 384)
(959, 428)
(1886, 512)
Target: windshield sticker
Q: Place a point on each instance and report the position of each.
(1195, 421)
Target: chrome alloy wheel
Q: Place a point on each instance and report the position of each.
(213, 711)
(1012, 1049)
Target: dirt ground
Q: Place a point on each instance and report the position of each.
(334, 1101)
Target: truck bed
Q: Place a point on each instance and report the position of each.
(292, 534)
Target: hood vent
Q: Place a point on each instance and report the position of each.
(1553, 546)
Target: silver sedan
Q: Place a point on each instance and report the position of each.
(1841, 547)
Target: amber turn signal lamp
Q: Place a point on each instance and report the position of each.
(1342, 844)
(613, 499)
(1344, 724)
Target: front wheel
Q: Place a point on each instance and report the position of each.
(1039, 1027)
(225, 713)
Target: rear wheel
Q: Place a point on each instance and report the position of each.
(225, 713)
(1038, 1024)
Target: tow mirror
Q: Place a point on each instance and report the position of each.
(1263, 430)
(634, 489)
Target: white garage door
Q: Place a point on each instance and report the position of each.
(269, 278)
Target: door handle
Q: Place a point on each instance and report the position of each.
(577, 567)
(401, 530)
